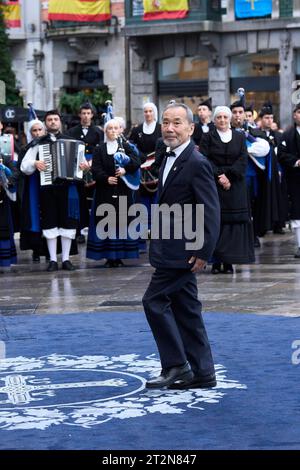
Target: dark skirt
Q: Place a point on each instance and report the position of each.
(235, 244)
(110, 248)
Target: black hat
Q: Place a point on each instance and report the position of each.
(249, 108)
(267, 108)
(207, 103)
(238, 104)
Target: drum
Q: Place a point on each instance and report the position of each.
(149, 181)
(7, 146)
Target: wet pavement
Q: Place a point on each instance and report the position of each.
(271, 286)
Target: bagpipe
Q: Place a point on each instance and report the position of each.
(5, 177)
(149, 180)
(258, 147)
(132, 181)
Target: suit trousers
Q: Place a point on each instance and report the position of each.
(173, 312)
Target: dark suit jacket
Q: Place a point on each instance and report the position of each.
(190, 181)
(93, 137)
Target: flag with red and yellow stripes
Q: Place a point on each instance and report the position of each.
(79, 10)
(12, 13)
(165, 9)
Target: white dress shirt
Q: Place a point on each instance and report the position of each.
(170, 160)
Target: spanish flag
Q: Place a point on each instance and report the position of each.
(79, 10)
(165, 9)
(12, 14)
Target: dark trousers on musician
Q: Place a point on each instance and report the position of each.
(174, 314)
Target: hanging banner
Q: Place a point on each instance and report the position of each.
(79, 10)
(252, 8)
(165, 9)
(12, 13)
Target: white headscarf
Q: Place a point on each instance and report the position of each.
(111, 145)
(149, 128)
(225, 136)
(30, 126)
(222, 109)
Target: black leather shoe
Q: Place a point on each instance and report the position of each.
(52, 266)
(297, 254)
(206, 381)
(118, 263)
(278, 231)
(216, 268)
(170, 376)
(68, 266)
(35, 257)
(256, 242)
(109, 263)
(227, 268)
(80, 239)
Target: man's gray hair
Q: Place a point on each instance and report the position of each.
(189, 112)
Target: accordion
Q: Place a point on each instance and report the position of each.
(62, 159)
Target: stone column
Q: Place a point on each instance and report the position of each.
(287, 76)
(218, 85)
(142, 80)
(296, 8)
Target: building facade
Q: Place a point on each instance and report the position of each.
(208, 52)
(212, 53)
(50, 57)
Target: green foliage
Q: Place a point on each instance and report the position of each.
(6, 72)
(71, 102)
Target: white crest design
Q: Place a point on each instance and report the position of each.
(99, 388)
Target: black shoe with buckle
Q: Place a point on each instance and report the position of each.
(68, 266)
(198, 381)
(170, 376)
(52, 266)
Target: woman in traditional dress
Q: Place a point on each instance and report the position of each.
(8, 254)
(110, 185)
(145, 137)
(227, 152)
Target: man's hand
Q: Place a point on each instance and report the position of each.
(41, 166)
(198, 264)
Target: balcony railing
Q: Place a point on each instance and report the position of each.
(199, 10)
(77, 28)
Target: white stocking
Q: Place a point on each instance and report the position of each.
(66, 247)
(52, 245)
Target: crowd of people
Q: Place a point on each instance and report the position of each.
(256, 170)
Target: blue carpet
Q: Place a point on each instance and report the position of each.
(77, 382)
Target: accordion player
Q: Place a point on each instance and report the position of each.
(62, 158)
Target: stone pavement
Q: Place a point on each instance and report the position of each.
(271, 286)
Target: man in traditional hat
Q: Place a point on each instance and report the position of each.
(289, 158)
(204, 125)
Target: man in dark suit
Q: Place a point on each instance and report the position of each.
(171, 301)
